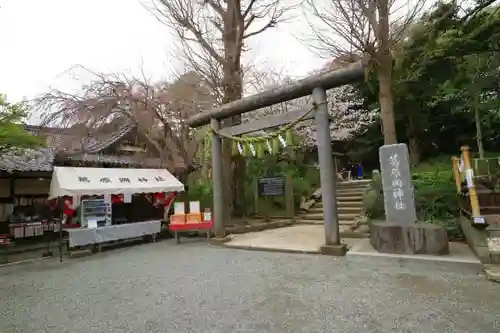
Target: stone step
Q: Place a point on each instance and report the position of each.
(356, 187)
(319, 216)
(321, 222)
(350, 198)
(354, 203)
(350, 191)
(356, 183)
(346, 229)
(341, 209)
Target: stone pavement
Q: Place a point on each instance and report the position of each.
(309, 238)
(195, 287)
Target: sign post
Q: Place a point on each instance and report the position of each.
(275, 186)
(400, 233)
(397, 184)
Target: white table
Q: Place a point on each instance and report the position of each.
(86, 236)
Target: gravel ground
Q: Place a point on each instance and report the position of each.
(194, 287)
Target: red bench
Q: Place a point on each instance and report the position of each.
(176, 228)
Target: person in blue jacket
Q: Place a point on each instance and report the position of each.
(358, 170)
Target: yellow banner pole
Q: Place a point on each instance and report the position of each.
(474, 202)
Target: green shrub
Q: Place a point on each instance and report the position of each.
(305, 181)
(435, 197)
(198, 191)
(373, 200)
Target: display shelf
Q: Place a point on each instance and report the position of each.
(29, 200)
(5, 239)
(95, 209)
(191, 226)
(176, 228)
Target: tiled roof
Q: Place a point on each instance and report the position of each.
(121, 160)
(29, 160)
(58, 141)
(68, 141)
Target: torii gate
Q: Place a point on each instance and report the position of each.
(316, 86)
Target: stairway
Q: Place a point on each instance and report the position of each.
(349, 206)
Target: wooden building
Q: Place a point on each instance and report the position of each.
(25, 178)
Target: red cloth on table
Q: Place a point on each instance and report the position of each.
(52, 203)
(161, 199)
(68, 206)
(116, 198)
(170, 198)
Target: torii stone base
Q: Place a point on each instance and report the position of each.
(418, 238)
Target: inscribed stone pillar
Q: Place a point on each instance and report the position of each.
(397, 184)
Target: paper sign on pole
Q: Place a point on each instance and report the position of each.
(76, 200)
(107, 198)
(194, 206)
(92, 224)
(179, 208)
(127, 198)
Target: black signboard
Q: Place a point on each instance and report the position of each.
(271, 186)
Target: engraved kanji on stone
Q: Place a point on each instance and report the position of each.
(105, 180)
(395, 173)
(397, 183)
(83, 179)
(399, 205)
(142, 180)
(398, 193)
(159, 179)
(394, 160)
(124, 180)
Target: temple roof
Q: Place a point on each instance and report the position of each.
(70, 144)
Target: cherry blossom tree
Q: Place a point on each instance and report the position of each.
(156, 110)
(347, 114)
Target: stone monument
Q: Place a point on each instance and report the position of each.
(401, 233)
(399, 202)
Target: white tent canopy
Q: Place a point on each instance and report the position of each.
(72, 181)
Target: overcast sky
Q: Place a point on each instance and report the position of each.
(42, 39)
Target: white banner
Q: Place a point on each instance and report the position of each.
(101, 181)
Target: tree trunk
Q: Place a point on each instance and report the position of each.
(233, 166)
(387, 108)
(413, 139)
(384, 71)
(477, 114)
(479, 132)
(414, 150)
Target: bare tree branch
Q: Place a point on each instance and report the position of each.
(347, 114)
(158, 111)
(211, 36)
(344, 28)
